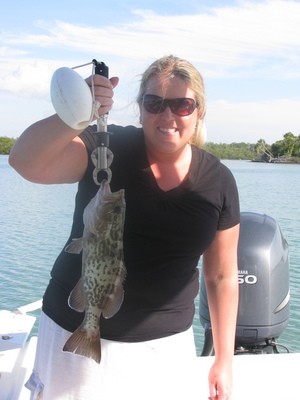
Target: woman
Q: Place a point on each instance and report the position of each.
(180, 203)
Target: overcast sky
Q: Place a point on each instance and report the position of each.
(248, 53)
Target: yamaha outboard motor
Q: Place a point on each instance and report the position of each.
(264, 292)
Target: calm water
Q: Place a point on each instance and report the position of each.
(35, 222)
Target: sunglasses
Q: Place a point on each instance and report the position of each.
(156, 105)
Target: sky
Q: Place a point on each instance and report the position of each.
(248, 53)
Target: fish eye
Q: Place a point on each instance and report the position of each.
(117, 209)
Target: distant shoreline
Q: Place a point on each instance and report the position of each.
(279, 160)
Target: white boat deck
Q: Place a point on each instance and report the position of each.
(271, 376)
(257, 377)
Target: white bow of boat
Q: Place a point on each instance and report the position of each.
(264, 376)
(16, 351)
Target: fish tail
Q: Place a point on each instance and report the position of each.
(85, 344)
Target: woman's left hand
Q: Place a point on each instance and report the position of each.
(220, 380)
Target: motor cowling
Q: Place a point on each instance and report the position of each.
(264, 290)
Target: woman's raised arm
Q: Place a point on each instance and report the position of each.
(49, 151)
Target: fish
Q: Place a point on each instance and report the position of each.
(100, 289)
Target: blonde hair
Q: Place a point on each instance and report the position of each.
(171, 66)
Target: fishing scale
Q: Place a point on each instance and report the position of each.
(102, 156)
(75, 104)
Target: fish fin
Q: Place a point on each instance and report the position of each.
(76, 298)
(75, 246)
(84, 344)
(113, 304)
(115, 299)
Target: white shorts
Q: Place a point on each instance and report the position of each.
(62, 375)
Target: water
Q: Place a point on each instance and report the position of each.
(34, 225)
(35, 222)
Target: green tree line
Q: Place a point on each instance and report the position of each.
(286, 149)
(6, 144)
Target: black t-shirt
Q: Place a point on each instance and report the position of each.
(165, 234)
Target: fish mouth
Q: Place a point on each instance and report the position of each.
(105, 187)
(107, 194)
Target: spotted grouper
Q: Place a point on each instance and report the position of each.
(100, 288)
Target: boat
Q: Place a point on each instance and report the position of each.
(261, 369)
(263, 376)
(17, 351)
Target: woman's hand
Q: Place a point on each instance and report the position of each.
(220, 380)
(103, 89)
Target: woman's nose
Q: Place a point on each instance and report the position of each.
(167, 113)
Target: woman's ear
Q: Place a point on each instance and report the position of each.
(141, 113)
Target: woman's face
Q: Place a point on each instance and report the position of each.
(166, 132)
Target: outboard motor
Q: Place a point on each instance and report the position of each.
(264, 292)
